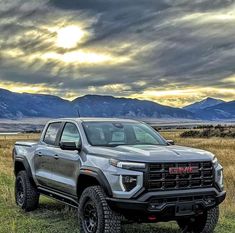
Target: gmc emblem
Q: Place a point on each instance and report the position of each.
(183, 170)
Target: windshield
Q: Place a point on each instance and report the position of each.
(121, 133)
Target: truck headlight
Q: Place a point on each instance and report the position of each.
(127, 165)
(128, 182)
(220, 178)
(215, 162)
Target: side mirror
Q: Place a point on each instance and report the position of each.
(69, 146)
(170, 142)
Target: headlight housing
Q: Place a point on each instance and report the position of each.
(219, 178)
(215, 162)
(130, 174)
(127, 165)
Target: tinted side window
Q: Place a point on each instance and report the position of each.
(51, 133)
(70, 134)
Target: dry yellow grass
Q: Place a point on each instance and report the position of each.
(54, 217)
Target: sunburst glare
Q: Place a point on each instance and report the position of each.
(68, 37)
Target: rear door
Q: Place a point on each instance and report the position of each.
(67, 165)
(45, 155)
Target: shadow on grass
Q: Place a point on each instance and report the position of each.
(54, 210)
(52, 205)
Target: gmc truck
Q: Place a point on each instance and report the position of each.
(119, 170)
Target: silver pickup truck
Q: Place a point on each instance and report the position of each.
(118, 169)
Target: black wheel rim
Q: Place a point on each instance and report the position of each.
(90, 216)
(19, 192)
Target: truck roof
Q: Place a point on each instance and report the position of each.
(95, 119)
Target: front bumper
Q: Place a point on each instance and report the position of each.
(169, 205)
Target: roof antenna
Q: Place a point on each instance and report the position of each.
(78, 112)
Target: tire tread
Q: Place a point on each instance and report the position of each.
(204, 224)
(31, 193)
(111, 220)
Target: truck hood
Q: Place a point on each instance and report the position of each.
(152, 153)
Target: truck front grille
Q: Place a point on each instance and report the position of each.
(159, 177)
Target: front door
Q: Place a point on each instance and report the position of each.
(66, 167)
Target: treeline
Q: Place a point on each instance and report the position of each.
(212, 131)
(32, 131)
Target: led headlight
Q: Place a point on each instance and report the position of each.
(127, 165)
(215, 162)
(220, 178)
(127, 180)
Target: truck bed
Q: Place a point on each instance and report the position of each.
(26, 143)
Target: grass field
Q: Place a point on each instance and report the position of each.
(57, 218)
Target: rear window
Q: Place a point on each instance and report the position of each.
(51, 133)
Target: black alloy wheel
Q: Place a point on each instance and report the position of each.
(19, 192)
(95, 215)
(26, 193)
(90, 216)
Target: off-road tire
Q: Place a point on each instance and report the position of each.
(108, 220)
(29, 198)
(204, 223)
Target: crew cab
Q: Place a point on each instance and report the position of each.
(117, 169)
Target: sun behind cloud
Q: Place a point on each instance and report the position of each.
(68, 37)
(79, 57)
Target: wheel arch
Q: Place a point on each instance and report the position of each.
(22, 164)
(92, 176)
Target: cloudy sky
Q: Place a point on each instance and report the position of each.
(170, 51)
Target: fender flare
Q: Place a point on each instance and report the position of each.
(99, 176)
(25, 164)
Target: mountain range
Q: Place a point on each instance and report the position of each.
(24, 105)
(205, 103)
(219, 111)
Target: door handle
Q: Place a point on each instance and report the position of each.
(56, 156)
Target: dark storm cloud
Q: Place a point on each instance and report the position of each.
(104, 5)
(165, 48)
(185, 49)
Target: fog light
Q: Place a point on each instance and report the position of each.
(128, 182)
